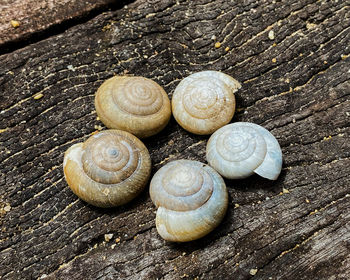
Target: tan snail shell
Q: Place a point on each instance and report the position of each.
(240, 149)
(204, 101)
(191, 198)
(134, 104)
(109, 169)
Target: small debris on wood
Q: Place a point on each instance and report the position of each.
(108, 237)
(217, 45)
(15, 23)
(310, 25)
(285, 191)
(150, 15)
(253, 271)
(271, 35)
(106, 27)
(38, 96)
(71, 67)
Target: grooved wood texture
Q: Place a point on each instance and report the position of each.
(35, 16)
(295, 82)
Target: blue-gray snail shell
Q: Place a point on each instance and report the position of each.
(191, 198)
(240, 149)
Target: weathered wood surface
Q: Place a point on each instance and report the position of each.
(36, 17)
(297, 85)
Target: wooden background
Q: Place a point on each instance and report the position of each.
(292, 58)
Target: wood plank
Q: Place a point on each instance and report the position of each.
(296, 85)
(31, 20)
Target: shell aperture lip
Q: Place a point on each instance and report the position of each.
(240, 149)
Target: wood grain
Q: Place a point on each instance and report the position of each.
(39, 19)
(297, 85)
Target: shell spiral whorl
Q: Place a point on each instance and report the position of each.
(238, 150)
(109, 169)
(191, 198)
(134, 104)
(205, 101)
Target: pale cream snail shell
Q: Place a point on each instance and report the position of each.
(134, 104)
(205, 101)
(191, 198)
(109, 169)
(240, 149)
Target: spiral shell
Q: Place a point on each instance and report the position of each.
(239, 149)
(205, 101)
(191, 198)
(109, 169)
(134, 104)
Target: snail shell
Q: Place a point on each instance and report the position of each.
(239, 149)
(204, 101)
(191, 198)
(109, 169)
(134, 104)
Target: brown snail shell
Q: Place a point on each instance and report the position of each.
(109, 169)
(134, 104)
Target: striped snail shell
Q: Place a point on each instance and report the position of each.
(204, 101)
(191, 198)
(134, 104)
(240, 149)
(109, 169)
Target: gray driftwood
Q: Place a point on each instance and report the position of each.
(296, 83)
